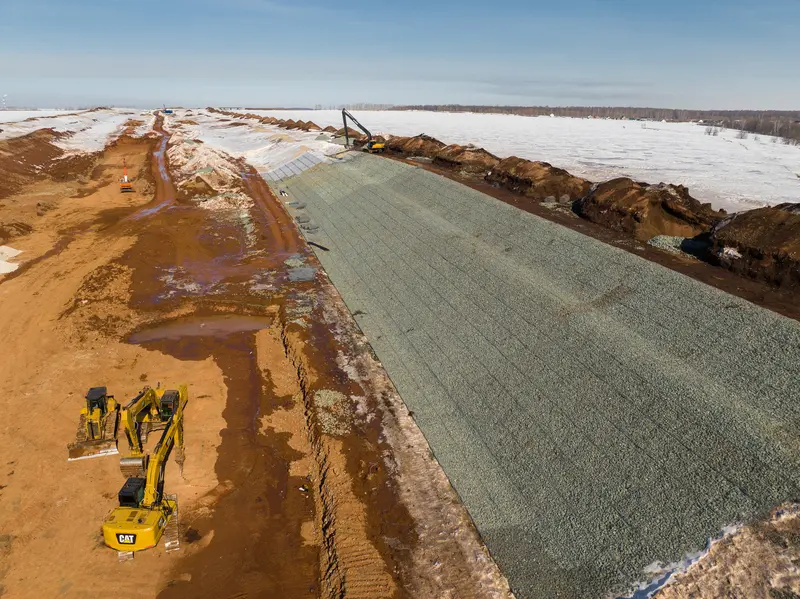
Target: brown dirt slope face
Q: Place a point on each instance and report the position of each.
(759, 562)
(767, 241)
(537, 180)
(421, 145)
(23, 159)
(645, 211)
(467, 158)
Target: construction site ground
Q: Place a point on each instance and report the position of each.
(573, 420)
(304, 474)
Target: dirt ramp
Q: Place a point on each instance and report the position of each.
(646, 210)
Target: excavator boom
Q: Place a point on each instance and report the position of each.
(151, 409)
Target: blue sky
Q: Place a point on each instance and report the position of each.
(681, 53)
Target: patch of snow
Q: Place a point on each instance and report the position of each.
(90, 131)
(148, 119)
(265, 147)
(11, 116)
(7, 252)
(659, 575)
(735, 174)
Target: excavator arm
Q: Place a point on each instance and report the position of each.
(346, 115)
(144, 404)
(172, 437)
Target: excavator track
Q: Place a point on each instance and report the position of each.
(172, 537)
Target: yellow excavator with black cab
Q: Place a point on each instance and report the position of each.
(145, 513)
(372, 146)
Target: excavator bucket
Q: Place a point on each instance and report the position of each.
(97, 427)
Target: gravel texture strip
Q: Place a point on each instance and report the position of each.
(596, 412)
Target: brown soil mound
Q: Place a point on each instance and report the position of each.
(353, 133)
(290, 124)
(538, 180)
(421, 145)
(195, 188)
(22, 159)
(762, 244)
(11, 230)
(330, 129)
(467, 158)
(312, 126)
(646, 210)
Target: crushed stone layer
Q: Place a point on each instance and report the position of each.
(596, 412)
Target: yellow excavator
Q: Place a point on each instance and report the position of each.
(97, 427)
(150, 410)
(145, 513)
(372, 146)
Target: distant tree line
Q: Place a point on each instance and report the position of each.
(779, 123)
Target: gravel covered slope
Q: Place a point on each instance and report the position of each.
(595, 411)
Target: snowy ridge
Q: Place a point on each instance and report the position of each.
(266, 147)
(90, 131)
(731, 173)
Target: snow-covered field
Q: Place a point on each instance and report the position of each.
(9, 116)
(264, 147)
(735, 174)
(90, 130)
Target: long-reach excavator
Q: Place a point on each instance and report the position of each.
(97, 427)
(372, 146)
(145, 513)
(150, 410)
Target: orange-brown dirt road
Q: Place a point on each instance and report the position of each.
(305, 476)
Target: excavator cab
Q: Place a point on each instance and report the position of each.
(374, 147)
(169, 403)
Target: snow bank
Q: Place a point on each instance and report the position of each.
(735, 174)
(90, 131)
(7, 252)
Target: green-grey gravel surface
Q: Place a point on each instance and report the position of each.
(595, 412)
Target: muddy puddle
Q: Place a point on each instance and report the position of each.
(201, 326)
